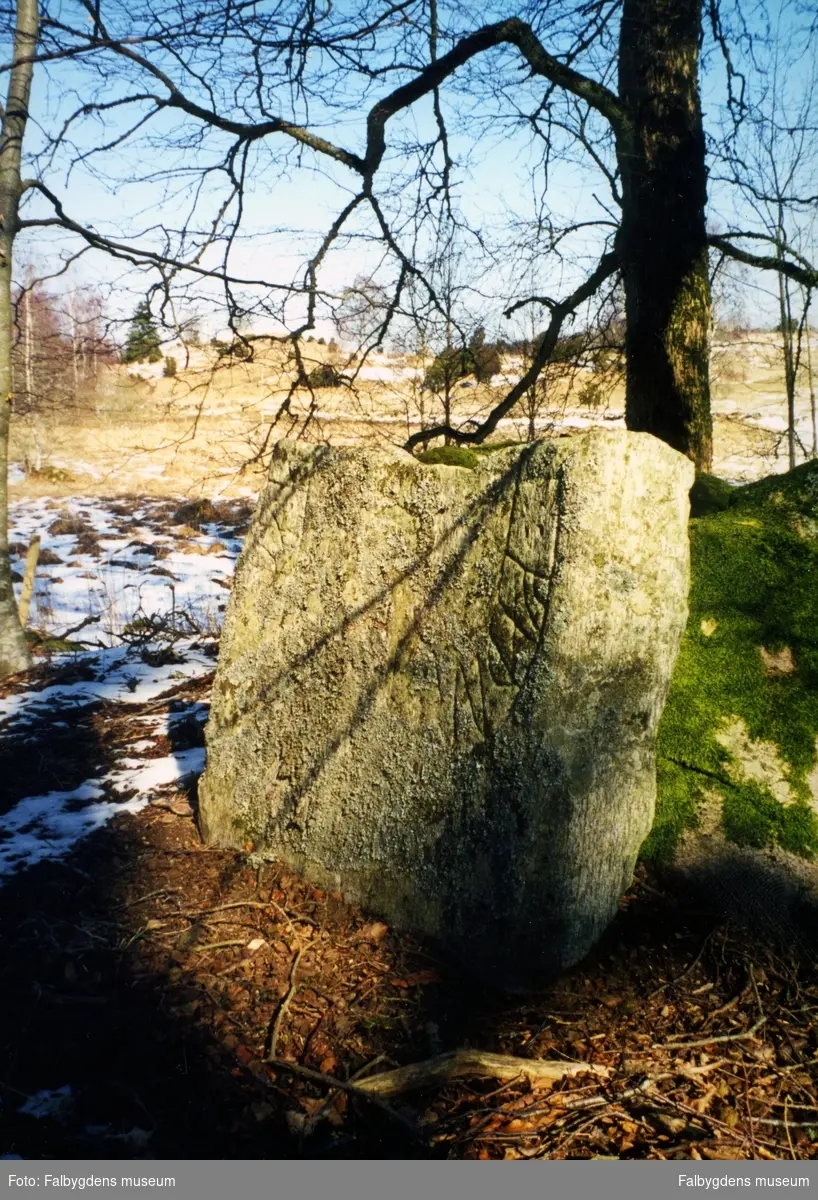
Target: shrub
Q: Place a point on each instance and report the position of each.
(566, 349)
(449, 366)
(324, 375)
(480, 359)
(171, 367)
(196, 513)
(487, 363)
(243, 351)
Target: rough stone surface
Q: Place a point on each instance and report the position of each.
(438, 688)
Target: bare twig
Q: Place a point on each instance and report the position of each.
(90, 620)
(151, 895)
(709, 1041)
(333, 1096)
(787, 1127)
(353, 1089)
(271, 1040)
(214, 946)
(684, 974)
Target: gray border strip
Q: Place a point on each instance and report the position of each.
(398, 1180)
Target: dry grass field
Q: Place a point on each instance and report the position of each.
(208, 430)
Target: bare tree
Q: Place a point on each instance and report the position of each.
(14, 655)
(206, 105)
(771, 159)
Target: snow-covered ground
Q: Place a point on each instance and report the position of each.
(144, 598)
(121, 568)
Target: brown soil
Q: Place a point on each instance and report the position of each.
(148, 972)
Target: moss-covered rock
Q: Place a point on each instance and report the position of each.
(737, 741)
(709, 494)
(463, 456)
(449, 456)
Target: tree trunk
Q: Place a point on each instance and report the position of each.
(28, 345)
(14, 655)
(811, 382)
(662, 238)
(29, 575)
(75, 347)
(788, 349)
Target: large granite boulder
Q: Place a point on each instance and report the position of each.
(438, 688)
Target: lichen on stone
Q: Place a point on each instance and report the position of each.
(438, 689)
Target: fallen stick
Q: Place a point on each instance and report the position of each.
(283, 1005)
(91, 620)
(460, 1063)
(352, 1089)
(711, 1041)
(27, 591)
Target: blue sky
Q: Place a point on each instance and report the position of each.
(288, 206)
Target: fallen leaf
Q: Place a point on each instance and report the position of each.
(256, 944)
(372, 933)
(518, 1125)
(295, 1122)
(421, 977)
(673, 1125)
(702, 1104)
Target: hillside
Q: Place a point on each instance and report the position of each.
(208, 429)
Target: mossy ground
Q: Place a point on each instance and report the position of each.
(754, 584)
(709, 494)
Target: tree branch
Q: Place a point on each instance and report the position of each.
(802, 271)
(134, 254)
(608, 265)
(510, 32)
